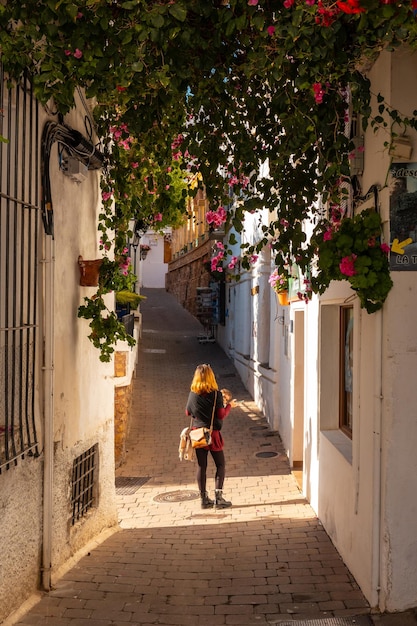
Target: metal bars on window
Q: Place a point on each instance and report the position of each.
(19, 236)
(83, 483)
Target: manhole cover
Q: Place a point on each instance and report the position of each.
(177, 496)
(361, 620)
(127, 485)
(266, 455)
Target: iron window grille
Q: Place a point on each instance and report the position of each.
(83, 484)
(19, 261)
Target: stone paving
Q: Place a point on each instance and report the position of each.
(267, 560)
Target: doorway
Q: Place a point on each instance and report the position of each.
(298, 399)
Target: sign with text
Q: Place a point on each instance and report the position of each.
(403, 217)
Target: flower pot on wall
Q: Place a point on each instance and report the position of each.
(144, 249)
(89, 272)
(283, 298)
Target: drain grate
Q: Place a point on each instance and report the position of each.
(177, 496)
(266, 455)
(361, 620)
(128, 485)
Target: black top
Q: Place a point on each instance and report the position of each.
(200, 406)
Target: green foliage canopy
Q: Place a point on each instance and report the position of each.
(218, 86)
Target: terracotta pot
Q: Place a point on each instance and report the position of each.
(89, 272)
(283, 298)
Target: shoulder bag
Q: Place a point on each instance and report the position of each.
(201, 437)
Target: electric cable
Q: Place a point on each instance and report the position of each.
(77, 146)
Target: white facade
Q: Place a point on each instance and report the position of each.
(152, 269)
(74, 397)
(362, 488)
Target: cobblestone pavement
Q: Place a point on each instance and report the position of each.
(267, 560)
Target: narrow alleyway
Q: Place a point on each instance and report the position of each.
(267, 560)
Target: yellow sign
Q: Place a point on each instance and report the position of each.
(398, 247)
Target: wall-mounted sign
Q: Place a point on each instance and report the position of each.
(403, 217)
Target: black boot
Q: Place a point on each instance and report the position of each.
(206, 503)
(221, 503)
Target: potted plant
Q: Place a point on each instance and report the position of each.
(126, 297)
(144, 249)
(280, 284)
(106, 329)
(89, 271)
(350, 248)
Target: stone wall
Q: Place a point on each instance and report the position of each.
(122, 408)
(187, 273)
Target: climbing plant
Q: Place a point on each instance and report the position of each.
(217, 87)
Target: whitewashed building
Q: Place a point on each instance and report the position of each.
(360, 472)
(57, 400)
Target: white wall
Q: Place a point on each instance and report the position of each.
(399, 429)
(83, 385)
(362, 489)
(152, 270)
(81, 399)
(362, 495)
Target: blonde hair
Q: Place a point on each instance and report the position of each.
(204, 380)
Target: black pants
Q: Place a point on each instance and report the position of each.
(220, 462)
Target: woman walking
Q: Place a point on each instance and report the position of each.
(203, 398)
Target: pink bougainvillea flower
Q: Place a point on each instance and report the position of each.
(120, 88)
(177, 142)
(385, 248)
(106, 195)
(270, 30)
(288, 3)
(310, 3)
(335, 214)
(350, 6)
(67, 53)
(78, 53)
(253, 258)
(135, 164)
(216, 218)
(319, 92)
(328, 235)
(125, 143)
(79, 15)
(157, 217)
(252, 3)
(215, 263)
(325, 16)
(347, 265)
(233, 262)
